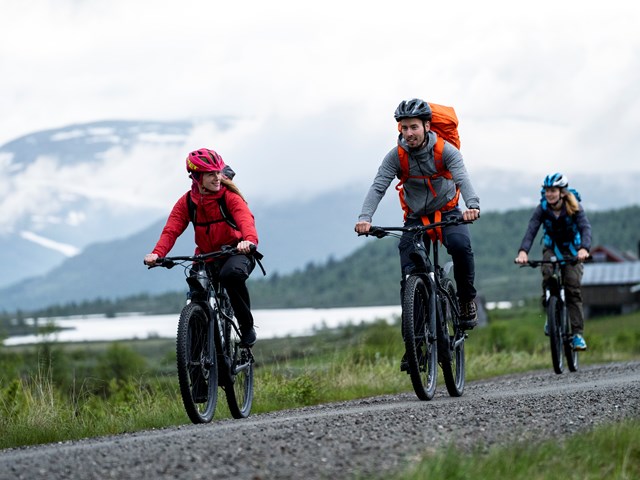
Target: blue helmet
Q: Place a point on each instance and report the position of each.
(555, 180)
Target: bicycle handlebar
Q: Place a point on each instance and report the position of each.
(537, 263)
(381, 232)
(170, 262)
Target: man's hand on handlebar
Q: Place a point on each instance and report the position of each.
(471, 214)
(363, 228)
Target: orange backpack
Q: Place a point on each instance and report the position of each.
(444, 122)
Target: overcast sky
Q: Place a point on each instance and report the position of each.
(538, 86)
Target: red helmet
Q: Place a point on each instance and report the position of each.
(204, 160)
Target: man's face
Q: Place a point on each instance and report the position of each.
(413, 131)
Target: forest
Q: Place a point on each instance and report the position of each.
(370, 275)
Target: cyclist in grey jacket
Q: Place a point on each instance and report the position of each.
(424, 195)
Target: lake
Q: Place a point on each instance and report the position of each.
(269, 324)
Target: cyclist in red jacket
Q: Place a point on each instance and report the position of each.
(220, 216)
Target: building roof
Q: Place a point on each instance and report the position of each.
(623, 273)
(607, 253)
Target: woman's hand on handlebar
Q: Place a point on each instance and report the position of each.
(150, 259)
(245, 247)
(522, 257)
(583, 255)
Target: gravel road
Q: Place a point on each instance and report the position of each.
(342, 440)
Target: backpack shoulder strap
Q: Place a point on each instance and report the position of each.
(191, 206)
(224, 210)
(403, 155)
(438, 149)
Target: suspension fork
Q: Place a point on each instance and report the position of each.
(432, 289)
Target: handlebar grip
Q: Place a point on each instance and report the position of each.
(377, 232)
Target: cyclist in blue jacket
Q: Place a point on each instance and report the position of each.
(567, 233)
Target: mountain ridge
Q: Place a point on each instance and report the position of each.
(293, 233)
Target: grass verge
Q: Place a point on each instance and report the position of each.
(57, 392)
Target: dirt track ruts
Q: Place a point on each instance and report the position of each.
(339, 440)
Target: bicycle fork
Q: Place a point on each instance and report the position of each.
(432, 288)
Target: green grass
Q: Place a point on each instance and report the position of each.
(57, 392)
(610, 451)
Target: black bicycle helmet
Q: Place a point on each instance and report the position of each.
(414, 108)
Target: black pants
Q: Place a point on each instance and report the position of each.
(457, 240)
(233, 273)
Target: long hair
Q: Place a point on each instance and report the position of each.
(232, 186)
(570, 201)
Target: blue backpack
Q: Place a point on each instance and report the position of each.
(570, 226)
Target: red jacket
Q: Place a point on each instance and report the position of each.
(208, 238)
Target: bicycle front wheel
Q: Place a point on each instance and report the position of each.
(555, 334)
(197, 365)
(569, 352)
(418, 331)
(451, 343)
(239, 388)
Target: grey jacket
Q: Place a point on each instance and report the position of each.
(417, 194)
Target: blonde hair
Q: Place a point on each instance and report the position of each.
(570, 201)
(232, 186)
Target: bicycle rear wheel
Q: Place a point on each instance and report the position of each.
(418, 332)
(450, 350)
(239, 389)
(197, 365)
(555, 334)
(569, 352)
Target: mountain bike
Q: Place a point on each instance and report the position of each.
(430, 315)
(559, 326)
(208, 348)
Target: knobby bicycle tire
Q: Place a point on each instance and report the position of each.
(555, 334)
(239, 388)
(569, 352)
(451, 358)
(197, 364)
(418, 332)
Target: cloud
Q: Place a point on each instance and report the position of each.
(316, 84)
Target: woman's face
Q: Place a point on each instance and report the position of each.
(211, 181)
(552, 194)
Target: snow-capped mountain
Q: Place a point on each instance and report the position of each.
(67, 189)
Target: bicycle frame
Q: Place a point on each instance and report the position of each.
(430, 315)
(554, 293)
(208, 349)
(430, 270)
(209, 293)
